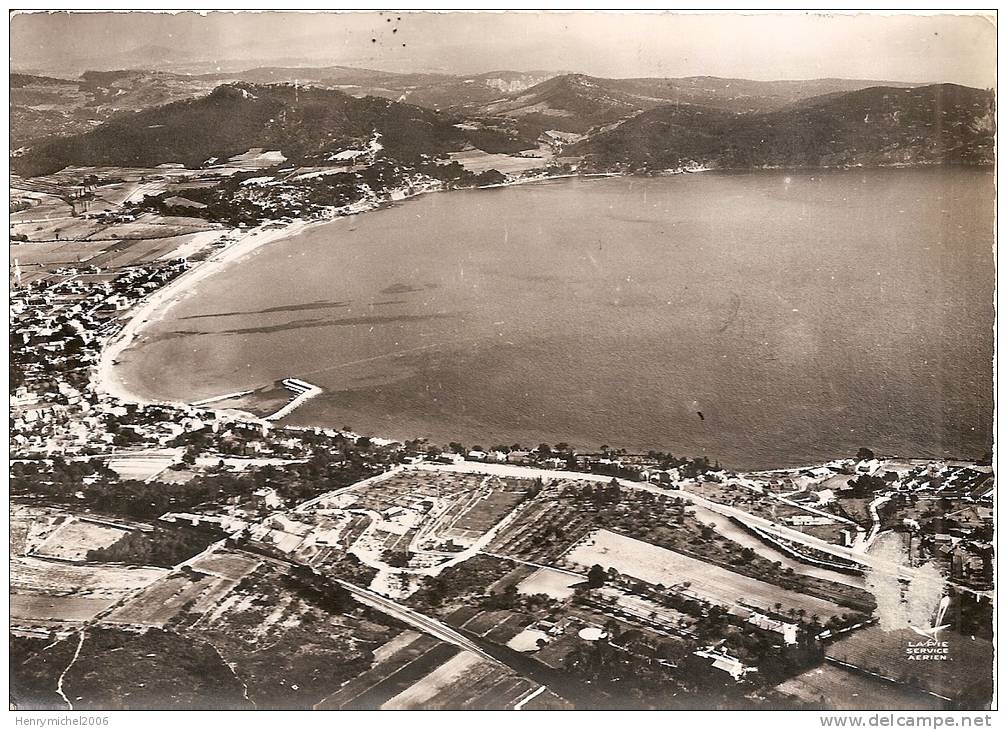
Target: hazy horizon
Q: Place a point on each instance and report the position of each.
(907, 48)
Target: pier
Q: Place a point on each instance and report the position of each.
(302, 390)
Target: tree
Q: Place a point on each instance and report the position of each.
(490, 177)
(397, 558)
(864, 454)
(596, 576)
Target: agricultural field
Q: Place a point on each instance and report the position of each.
(54, 254)
(421, 518)
(393, 675)
(409, 489)
(73, 539)
(498, 626)
(545, 530)
(885, 653)
(38, 260)
(52, 593)
(835, 688)
(419, 672)
(712, 583)
(254, 159)
(58, 229)
(41, 206)
(141, 468)
(172, 596)
(31, 526)
(565, 511)
(556, 584)
(478, 161)
(469, 519)
(291, 646)
(230, 565)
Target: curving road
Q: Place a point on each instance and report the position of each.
(417, 620)
(786, 533)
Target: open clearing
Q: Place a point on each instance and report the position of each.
(841, 689)
(31, 526)
(884, 653)
(160, 602)
(478, 161)
(227, 564)
(72, 540)
(712, 583)
(140, 468)
(446, 675)
(373, 688)
(44, 591)
(553, 583)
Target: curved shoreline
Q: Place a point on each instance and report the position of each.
(148, 310)
(104, 380)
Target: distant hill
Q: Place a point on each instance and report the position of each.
(305, 124)
(144, 118)
(44, 107)
(436, 91)
(576, 103)
(939, 124)
(19, 81)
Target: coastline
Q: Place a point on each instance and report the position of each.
(246, 241)
(104, 380)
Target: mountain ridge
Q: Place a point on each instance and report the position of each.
(882, 125)
(936, 124)
(305, 123)
(578, 102)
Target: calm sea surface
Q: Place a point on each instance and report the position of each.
(804, 314)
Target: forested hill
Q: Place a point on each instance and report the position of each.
(305, 124)
(938, 124)
(884, 125)
(577, 103)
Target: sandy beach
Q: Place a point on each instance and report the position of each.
(104, 380)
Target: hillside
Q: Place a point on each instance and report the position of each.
(526, 103)
(305, 124)
(435, 91)
(43, 106)
(576, 103)
(19, 81)
(940, 124)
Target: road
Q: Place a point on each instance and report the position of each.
(417, 620)
(336, 492)
(413, 618)
(781, 531)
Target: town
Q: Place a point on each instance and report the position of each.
(447, 575)
(746, 285)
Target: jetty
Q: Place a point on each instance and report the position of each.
(302, 390)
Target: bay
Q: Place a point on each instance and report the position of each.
(762, 319)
